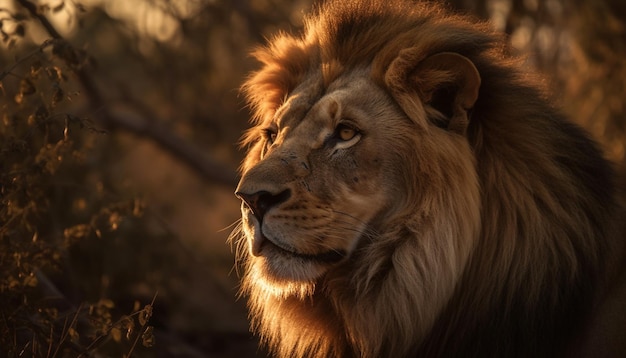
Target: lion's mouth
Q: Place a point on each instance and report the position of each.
(324, 257)
(263, 245)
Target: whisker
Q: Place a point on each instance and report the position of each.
(231, 226)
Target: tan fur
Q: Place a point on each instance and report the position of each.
(460, 216)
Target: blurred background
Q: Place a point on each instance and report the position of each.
(119, 123)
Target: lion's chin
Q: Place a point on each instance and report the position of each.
(283, 278)
(283, 273)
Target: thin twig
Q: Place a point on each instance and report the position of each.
(51, 340)
(39, 50)
(67, 330)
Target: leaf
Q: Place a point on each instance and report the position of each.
(30, 281)
(138, 208)
(116, 334)
(144, 315)
(57, 96)
(75, 233)
(27, 87)
(54, 73)
(74, 336)
(35, 68)
(105, 302)
(147, 338)
(129, 325)
(13, 282)
(114, 220)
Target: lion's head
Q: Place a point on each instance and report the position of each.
(337, 166)
(406, 182)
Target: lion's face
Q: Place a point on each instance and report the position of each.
(317, 177)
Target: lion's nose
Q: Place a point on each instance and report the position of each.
(262, 201)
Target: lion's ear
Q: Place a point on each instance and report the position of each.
(447, 82)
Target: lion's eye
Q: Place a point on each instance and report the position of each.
(345, 132)
(270, 135)
(268, 138)
(345, 136)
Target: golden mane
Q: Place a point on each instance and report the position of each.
(345, 35)
(544, 251)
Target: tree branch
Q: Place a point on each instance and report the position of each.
(192, 156)
(18, 62)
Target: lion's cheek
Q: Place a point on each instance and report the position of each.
(363, 201)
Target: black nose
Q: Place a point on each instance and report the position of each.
(262, 201)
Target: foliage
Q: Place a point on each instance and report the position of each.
(79, 249)
(49, 201)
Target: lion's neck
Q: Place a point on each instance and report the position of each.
(353, 304)
(297, 327)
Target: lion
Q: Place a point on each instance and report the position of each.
(410, 190)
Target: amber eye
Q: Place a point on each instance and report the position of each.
(345, 132)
